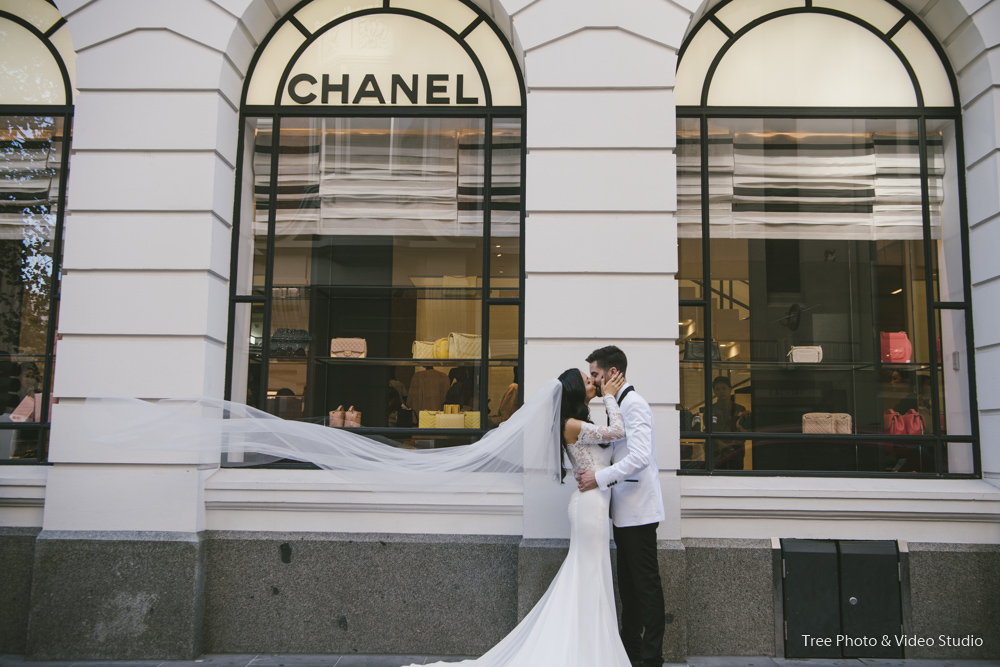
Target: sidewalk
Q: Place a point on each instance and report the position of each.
(356, 660)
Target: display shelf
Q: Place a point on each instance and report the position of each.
(387, 361)
(820, 366)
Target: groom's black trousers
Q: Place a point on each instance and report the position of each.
(641, 592)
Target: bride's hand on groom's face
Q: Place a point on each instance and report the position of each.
(611, 385)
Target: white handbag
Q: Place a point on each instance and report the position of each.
(464, 346)
(805, 354)
(423, 349)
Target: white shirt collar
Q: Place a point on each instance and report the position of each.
(624, 387)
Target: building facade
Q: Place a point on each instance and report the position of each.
(463, 198)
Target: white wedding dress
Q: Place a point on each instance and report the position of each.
(574, 624)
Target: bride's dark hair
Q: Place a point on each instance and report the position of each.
(572, 406)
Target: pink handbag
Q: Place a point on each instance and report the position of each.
(911, 423)
(896, 347)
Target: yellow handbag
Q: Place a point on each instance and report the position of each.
(449, 421)
(427, 419)
(471, 419)
(441, 348)
(451, 409)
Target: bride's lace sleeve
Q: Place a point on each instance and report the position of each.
(593, 434)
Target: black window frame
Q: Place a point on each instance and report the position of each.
(919, 113)
(64, 112)
(276, 112)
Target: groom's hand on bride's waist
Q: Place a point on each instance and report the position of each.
(586, 480)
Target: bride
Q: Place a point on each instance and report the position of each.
(574, 623)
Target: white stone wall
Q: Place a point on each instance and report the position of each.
(144, 302)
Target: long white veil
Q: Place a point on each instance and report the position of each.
(528, 441)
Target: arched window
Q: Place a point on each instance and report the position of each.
(36, 112)
(377, 249)
(825, 305)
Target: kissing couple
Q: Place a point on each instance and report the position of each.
(574, 623)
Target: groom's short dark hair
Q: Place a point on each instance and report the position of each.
(609, 357)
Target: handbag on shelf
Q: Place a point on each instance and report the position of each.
(349, 347)
(441, 348)
(896, 347)
(910, 423)
(694, 350)
(290, 343)
(805, 354)
(471, 419)
(444, 420)
(427, 418)
(25, 410)
(451, 409)
(464, 346)
(826, 422)
(352, 418)
(337, 417)
(423, 349)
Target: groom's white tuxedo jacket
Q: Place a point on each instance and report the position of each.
(634, 475)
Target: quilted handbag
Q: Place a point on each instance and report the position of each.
(441, 348)
(423, 349)
(805, 354)
(471, 419)
(443, 420)
(352, 418)
(694, 350)
(348, 347)
(896, 347)
(464, 346)
(337, 417)
(427, 419)
(826, 422)
(290, 343)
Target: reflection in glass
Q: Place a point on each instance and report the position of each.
(378, 244)
(31, 150)
(818, 296)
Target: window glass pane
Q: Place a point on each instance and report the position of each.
(735, 15)
(689, 178)
(377, 274)
(931, 74)
(811, 60)
(958, 458)
(693, 68)
(691, 358)
(819, 178)
(30, 162)
(31, 73)
(880, 14)
(943, 167)
(505, 209)
(953, 378)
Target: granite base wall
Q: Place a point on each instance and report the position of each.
(341, 593)
(730, 597)
(955, 592)
(116, 595)
(17, 556)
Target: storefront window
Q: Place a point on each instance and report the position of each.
(823, 324)
(378, 262)
(35, 118)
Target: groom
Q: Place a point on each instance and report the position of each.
(636, 510)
